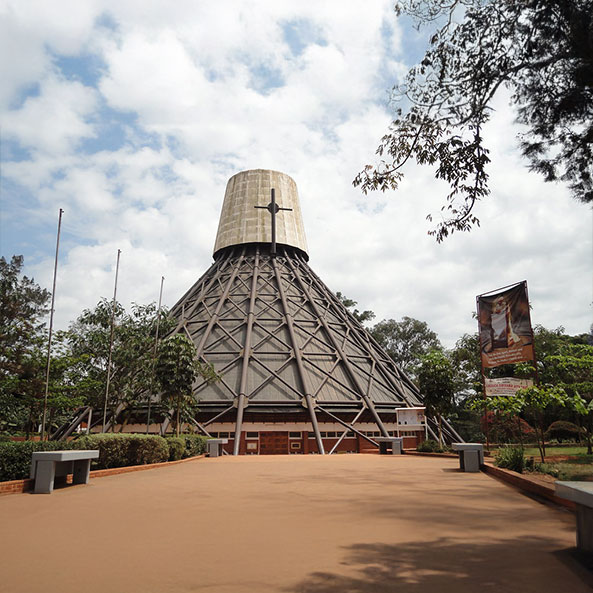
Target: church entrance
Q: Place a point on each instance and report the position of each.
(273, 443)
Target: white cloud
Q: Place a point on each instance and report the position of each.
(205, 90)
(54, 121)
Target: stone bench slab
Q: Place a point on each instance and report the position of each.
(47, 465)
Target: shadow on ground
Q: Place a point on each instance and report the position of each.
(527, 565)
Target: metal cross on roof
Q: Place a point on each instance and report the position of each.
(273, 209)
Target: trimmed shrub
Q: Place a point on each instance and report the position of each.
(195, 444)
(15, 457)
(176, 448)
(146, 449)
(510, 458)
(119, 450)
(562, 430)
(429, 446)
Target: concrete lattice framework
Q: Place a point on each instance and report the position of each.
(280, 340)
(286, 349)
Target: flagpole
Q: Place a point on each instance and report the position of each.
(156, 343)
(51, 325)
(110, 342)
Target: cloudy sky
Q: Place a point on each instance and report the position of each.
(131, 116)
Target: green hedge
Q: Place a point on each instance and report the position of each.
(186, 445)
(115, 450)
(430, 446)
(176, 448)
(15, 457)
(195, 444)
(119, 450)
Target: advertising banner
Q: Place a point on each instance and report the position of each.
(505, 327)
(505, 386)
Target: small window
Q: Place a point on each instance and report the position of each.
(295, 445)
(252, 435)
(311, 435)
(214, 435)
(331, 435)
(323, 435)
(223, 435)
(350, 434)
(294, 435)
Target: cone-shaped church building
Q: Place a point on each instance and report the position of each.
(298, 373)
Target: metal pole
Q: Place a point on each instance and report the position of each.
(110, 343)
(51, 325)
(484, 396)
(156, 343)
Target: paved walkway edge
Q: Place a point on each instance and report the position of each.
(527, 484)
(521, 481)
(19, 486)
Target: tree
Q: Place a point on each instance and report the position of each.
(405, 341)
(541, 50)
(436, 381)
(350, 304)
(533, 402)
(466, 360)
(23, 306)
(572, 370)
(177, 367)
(132, 360)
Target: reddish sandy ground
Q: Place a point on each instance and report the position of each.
(345, 523)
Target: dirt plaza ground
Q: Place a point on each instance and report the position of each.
(312, 524)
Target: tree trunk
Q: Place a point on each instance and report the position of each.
(177, 420)
(126, 420)
(29, 422)
(520, 431)
(540, 443)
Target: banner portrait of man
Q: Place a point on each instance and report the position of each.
(506, 336)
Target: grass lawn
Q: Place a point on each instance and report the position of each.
(553, 451)
(579, 467)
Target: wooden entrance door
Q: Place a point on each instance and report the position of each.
(273, 443)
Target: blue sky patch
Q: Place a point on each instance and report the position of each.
(86, 69)
(300, 33)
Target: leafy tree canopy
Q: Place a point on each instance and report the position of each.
(87, 343)
(177, 367)
(361, 317)
(540, 50)
(23, 307)
(436, 381)
(405, 341)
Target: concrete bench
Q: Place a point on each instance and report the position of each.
(214, 447)
(471, 456)
(46, 466)
(390, 445)
(580, 493)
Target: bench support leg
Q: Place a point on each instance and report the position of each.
(45, 473)
(584, 528)
(81, 471)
